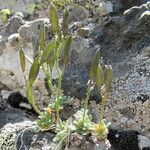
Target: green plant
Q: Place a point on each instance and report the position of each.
(62, 130)
(4, 14)
(103, 81)
(58, 50)
(47, 120)
(100, 130)
(82, 123)
(82, 126)
(53, 54)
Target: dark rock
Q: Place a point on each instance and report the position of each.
(15, 99)
(119, 39)
(117, 7)
(11, 115)
(128, 140)
(75, 80)
(30, 139)
(126, 4)
(3, 104)
(123, 140)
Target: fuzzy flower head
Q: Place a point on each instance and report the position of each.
(100, 130)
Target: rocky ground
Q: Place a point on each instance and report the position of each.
(121, 31)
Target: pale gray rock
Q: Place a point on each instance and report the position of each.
(13, 39)
(78, 13)
(14, 23)
(15, 5)
(144, 142)
(29, 32)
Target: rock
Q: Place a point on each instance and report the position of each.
(79, 77)
(128, 140)
(3, 104)
(10, 115)
(78, 13)
(78, 142)
(144, 142)
(83, 32)
(82, 50)
(117, 7)
(2, 44)
(23, 135)
(20, 14)
(14, 23)
(13, 39)
(105, 8)
(126, 4)
(5, 94)
(15, 6)
(15, 99)
(130, 99)
(29, 32)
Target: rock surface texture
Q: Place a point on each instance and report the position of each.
(120, 31)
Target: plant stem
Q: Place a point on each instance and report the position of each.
(58, 90)
(87, 99)
(102, 106)
(47, 74)
(31, 99)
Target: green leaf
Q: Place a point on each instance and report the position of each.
(48, 51)
(54, 18)
(95, 62)
(108, 77)
(34, 70)
(5, 11)
(42, 37)
(99, 77)
(31, 98)
(67, 47)
(22, 59)
(51, 62)
(65, 22)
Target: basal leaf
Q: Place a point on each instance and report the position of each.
(95, 62)
(48, 51)
(22, 59)
(34, 70)
(108, 77)
(51, 61)
(67, 47)
(42, 37)
(99, 76)
(54, 18)
(65, 22)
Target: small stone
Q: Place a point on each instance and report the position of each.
(14, 23)
(105, 8)
(144, 142)
(13, 39)
(78, 13)
(83, 32)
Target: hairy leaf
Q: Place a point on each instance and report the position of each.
(65, 22)
(54, 18)
(48, 51)
(34, 70)
(42, 37)
(22, 59)
(99, 77)
(67, 47)
(95, 62)
(108, 77)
